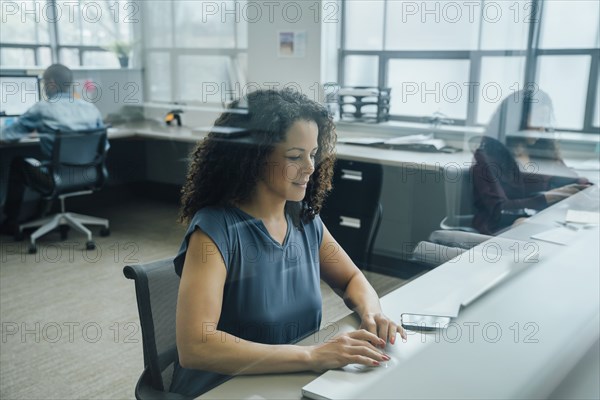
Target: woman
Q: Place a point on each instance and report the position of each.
(255, 250)
(504, 192)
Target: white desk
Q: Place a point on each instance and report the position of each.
(394, 158)
(532, 330)
(397, 158)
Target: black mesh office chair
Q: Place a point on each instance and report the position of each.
(76, 168)
(460, 204)
(457, 234)
(156, 287)
(353, 212)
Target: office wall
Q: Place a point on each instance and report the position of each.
(265, 66)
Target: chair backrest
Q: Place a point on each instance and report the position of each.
(460, 204)
(78, 159)
(353, 212)
(156, 287)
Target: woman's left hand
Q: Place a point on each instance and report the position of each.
(382, 326)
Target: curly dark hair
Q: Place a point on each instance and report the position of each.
(225, 170)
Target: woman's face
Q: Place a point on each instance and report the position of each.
(292, 162)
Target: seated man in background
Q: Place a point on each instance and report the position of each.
(507, 185)
(60, 111)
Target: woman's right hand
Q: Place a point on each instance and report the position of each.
(356, 347)
(561, 193)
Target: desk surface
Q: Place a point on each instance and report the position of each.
(518, 341)
(352, 152)
(150, 129)
(394, 158)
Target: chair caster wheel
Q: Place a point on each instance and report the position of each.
(64, 232)
(90, 245)
(19, 237)
(32, 249)
(104, 232)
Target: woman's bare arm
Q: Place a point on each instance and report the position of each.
(340, 272)
(201, 346)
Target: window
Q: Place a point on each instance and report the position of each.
(568, 93)
(72, 32)
(498, 79)
(361, 70)
(25, 34)
(597, 106)
(185, 37)
(427, 26)
(422, 87)
(364, 34)
(463, 58)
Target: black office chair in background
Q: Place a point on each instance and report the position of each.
(156, 287)
(77, 168)
(353, 212)
(460, 203)
(457, 234)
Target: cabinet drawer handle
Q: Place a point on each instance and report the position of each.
(351, 175)
(350, 222)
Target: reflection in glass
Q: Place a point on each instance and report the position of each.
(518, 167)
(500, 76)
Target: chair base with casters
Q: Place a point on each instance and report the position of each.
(63, 220)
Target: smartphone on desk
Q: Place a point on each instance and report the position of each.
(422, 322)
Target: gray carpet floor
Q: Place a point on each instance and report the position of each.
(70, 328)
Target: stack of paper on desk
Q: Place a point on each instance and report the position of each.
(583, 217)
(562, 236)
(419, 142)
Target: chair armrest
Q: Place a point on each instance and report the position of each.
(458, 223)
(145, 391)
(33, 162)
(458, 238)
(432, 254)
(43, 180)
